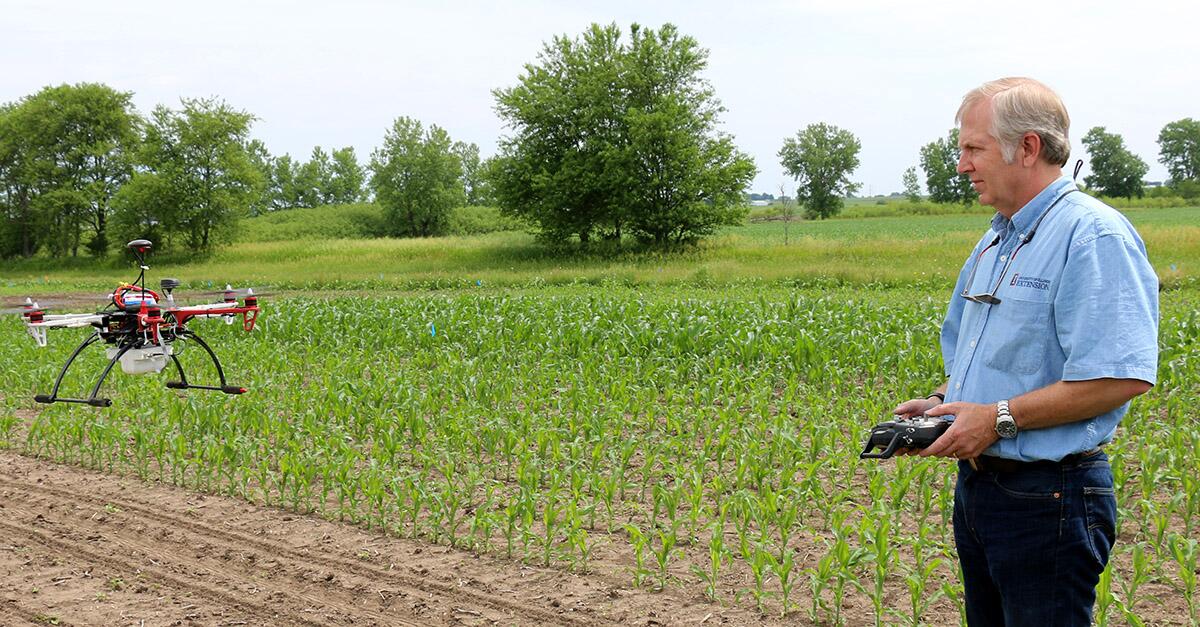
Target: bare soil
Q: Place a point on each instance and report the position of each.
(79, 547)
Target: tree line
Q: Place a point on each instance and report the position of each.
(82, 171)
(611, 138)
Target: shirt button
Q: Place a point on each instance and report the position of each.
(957, 386)
(972, 343)
(1003, 257)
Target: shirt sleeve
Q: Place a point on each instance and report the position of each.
(1106, 311)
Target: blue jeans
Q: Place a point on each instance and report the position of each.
(1033, 542)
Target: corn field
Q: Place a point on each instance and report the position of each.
(706, 439)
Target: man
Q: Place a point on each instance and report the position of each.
(1051, 330)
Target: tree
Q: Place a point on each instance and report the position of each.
(1115, 170)
(264, 164)
(282, 189)
(821, 158)
(66, 150)
(314, 180)
(785, 211)
(347, 177)
(19, 234)
(417, 179)
(1179, 150)
(474, 181)
(197, 160)
(939, 160)
(145, 208)
(912, 187)
(613, 138)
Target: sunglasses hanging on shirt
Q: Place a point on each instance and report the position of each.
(989, 298)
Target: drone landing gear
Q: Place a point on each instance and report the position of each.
(182, 383)
(91, 399)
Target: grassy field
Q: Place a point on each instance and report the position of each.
(896, 251)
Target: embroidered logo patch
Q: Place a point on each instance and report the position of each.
(1030, 282)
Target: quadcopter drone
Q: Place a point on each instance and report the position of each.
(141, 331)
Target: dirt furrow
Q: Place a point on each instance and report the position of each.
(12, 614)
(306, 561)
(201, 566)
(77, 550)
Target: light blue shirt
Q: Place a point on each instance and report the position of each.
(1078, 302)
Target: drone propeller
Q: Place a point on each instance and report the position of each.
(55, 303)
(230, 291)
(29, 306)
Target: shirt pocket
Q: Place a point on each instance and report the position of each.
(1022, 327)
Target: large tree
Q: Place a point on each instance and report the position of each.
(939, 160)
(821, 158)
(1179, 150)
(65, 152)
(417, 179)
(197, 161)
(1115, 170)
(19, 232)
(612, 137)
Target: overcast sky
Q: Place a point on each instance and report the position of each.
(336, 74)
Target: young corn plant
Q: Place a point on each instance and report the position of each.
(662, 556)
(718, 556)
(640, 547)
(1186, 551)
(784, 568)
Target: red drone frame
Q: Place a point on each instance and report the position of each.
(142, 331)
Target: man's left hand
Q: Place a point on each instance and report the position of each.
(973, 430)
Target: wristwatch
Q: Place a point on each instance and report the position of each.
(1005, 425)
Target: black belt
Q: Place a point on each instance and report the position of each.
(987, 463)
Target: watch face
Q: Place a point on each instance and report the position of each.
(1006, 428)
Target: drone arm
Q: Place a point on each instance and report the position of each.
(65, 321)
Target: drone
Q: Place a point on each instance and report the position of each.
(142, 330)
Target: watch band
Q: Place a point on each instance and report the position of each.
(1006, 425)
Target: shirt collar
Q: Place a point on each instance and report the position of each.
(1029, 214)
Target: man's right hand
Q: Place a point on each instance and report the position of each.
(915, 408)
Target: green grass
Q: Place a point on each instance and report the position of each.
(910, 250)
(359, 221)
